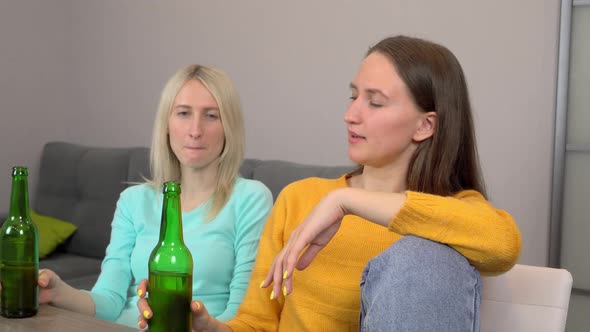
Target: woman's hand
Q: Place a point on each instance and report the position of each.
(49, 286)
(48, 283)
(54, 291)
(202, 321)
(318, 228)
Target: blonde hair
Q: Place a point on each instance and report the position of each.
(165, 166)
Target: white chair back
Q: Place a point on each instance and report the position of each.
(526, 298)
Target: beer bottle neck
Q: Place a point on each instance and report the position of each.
(19, 197)
(171, 227)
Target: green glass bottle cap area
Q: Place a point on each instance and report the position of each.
(19, 170)
(171, 187)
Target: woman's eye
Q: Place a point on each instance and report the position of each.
(374, 104)
(353, 97)
(182, 113)
(212, 116)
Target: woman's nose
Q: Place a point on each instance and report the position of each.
(195, 128)
(352, 113)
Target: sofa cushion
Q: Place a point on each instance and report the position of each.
(276, 174)
(139, 165)
(52, 232)
(247, 167)
(70, 266)
(82, 184)
(86, 282)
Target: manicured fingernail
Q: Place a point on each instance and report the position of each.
(285, 274)
(146, 314)
(272, 295)
(262, 284)
(284, 290)
(139, 292)
(198, 306)
(139, 325)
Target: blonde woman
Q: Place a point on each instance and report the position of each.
(198, 140)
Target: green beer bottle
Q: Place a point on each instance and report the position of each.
(170, 270)
(19, 254)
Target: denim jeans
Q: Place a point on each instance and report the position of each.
(420, 285)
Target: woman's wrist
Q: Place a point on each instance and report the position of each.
(70, 298)
(341, 199)
(213, 325)
(377, 207)
(59, 288)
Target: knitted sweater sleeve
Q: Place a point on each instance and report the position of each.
(487, 237)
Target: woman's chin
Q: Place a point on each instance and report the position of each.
(355, 158)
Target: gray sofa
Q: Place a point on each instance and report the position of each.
(81, 184)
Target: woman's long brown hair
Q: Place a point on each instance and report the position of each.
(447, 162)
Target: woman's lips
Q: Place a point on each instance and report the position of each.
(354, 137)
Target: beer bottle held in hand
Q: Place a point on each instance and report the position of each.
(19, 254)
(170, 270)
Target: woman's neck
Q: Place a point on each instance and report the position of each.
(390, 178)
(197, 187)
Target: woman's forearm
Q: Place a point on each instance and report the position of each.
(70, 298)
(377, 207)
(213, 325)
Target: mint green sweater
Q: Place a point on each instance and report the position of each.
(223, 250)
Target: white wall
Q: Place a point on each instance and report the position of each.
(35, 105)
(292, 62)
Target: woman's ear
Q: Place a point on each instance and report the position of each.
(426, 127)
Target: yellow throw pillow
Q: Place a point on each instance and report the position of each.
(52, 232)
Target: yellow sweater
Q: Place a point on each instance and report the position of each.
(326, 295)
